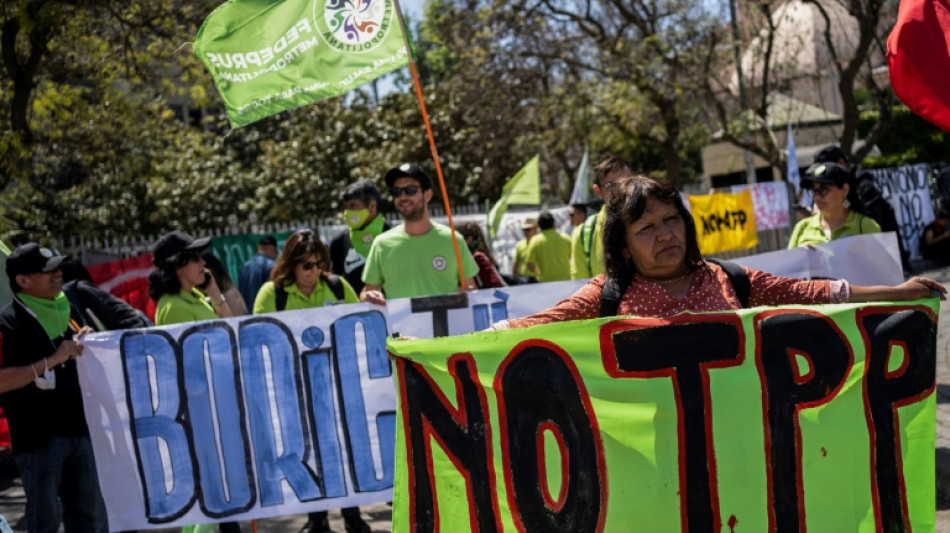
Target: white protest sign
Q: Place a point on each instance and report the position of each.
(907, 189)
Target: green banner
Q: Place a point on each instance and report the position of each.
(767, 419)
(235, 250)
(269, 56)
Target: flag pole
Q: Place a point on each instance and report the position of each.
(432, 148)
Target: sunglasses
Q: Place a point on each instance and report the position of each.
(822, 189)
(310, 265)
(409, 190)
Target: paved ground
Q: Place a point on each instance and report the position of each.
(379, 516)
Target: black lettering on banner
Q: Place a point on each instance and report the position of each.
(683, 349)
(540, 389)
(439, 307)
(464, 434)
(781, 335)
(733, 220)
(915, 332)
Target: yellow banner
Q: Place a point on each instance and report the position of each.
(724, 221)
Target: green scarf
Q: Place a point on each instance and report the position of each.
(374, 228)
(53, 314)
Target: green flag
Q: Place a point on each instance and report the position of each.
(269, 56)
(523, 188)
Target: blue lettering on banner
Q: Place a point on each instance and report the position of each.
(323, 421)
(159, 423)
(499, 311)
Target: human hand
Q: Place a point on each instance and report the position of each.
(922, 287)
(373, 297)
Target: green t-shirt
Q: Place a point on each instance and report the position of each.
(809, 230)
(579, 260)
(266, 301)
(183, 307)
(417, 265)
(550, 251)
(521, 257)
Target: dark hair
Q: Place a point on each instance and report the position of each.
(73, 270)
(546, 221)
(609, 164)
(301, 245)
(164, 279)
(267, 240)
(363, 190)
(627, 204)
(473, 230)
(221, 276)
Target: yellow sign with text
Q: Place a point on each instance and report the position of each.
(724, 221)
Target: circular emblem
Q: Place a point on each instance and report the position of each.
(438, 263)
(354, 25)
(46, 252)
(367, 238)
(354, 218)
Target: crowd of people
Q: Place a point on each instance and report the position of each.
(640, 251)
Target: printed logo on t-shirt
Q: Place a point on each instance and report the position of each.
(438, 263)
(367, 238)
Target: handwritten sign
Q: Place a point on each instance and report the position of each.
(724, 221)
(907, 189)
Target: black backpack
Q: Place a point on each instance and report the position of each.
(336, 286)
(615, 286)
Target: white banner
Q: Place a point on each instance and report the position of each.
(907, 189)
(770, 201)
(285, 413)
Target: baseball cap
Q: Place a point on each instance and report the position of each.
(529, 223)
(175, 242)
(410, 170)
(267, 240)
(31, 258)
(830, 173)
(830, 154)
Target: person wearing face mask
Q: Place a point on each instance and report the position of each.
(41, 335)
(349, 248)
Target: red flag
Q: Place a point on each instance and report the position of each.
(127, 279)
(919, 56)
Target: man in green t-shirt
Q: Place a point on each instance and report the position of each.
(549, 253)
(587, 246)
(519, 265)
(416, 258)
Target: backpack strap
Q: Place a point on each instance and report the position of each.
(738, 277)
(614, 287)
(587, 236)
(336, 286)
(280, 298)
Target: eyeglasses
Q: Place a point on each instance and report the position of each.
(822, 189)
(409, 190)
(310, 265)
(612, 184)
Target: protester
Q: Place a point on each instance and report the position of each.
(416, 258)
(100, 310)
(41, 337)
(840, 213)
(488, 276)
(519, 265)
(349, 248)
(179, 270)
(587, 254)
(301, 278)
(578, 214)
(935, 245)
(257, 269)
(549, 253)
(225, 284)
(654, 269)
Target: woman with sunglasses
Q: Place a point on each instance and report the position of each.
(840, 212)
(179, 271)
(302, 273)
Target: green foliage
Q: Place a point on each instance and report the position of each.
(908, 140)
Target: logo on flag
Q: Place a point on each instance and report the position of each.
(354, 25)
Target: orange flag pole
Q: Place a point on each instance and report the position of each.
(432, 148)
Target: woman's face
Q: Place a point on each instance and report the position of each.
(829, 196)
(192, 272)
(307, 271)
(656, 242)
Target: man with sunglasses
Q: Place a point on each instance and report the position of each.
(348, 250)
(51, 443)
(416, 258)
(587, 239)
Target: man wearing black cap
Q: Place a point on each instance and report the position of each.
(257, 269)
(51, 442)
(416, 258)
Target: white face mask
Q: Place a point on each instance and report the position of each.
(47, 381)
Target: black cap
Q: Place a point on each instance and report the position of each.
(31, 258)
(267, 240)
(173, 243)
(830, 154)
(413, 171)
(830, 173)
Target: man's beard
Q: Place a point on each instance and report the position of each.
(416, 213)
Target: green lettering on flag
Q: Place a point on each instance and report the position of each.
(523, 188)
(269, 56)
